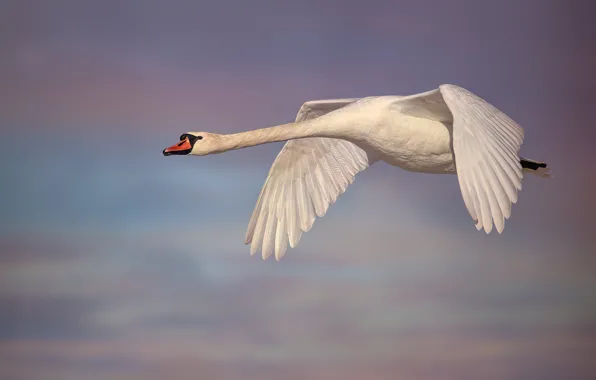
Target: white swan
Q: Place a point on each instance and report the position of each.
(446, 130)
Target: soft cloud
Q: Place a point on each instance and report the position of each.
(117, 263)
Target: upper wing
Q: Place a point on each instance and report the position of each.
(486, 143)
(316, 108)
(306, 177)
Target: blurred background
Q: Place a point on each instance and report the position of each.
(118, 263)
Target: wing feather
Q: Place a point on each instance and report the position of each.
(307, 176)
(486, 143)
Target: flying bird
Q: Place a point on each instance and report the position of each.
(448, 130)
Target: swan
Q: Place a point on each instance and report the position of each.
(448, 130)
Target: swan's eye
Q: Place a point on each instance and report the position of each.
(200, 137)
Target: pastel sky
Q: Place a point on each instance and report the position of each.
(119, 263)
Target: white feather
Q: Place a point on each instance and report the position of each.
(446, 130)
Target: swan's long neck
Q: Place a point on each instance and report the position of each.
(290, 131)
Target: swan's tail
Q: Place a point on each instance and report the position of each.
(535, 167)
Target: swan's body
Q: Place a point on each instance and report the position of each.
(332, 140)
(388, 134)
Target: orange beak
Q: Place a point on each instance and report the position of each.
(183, 147)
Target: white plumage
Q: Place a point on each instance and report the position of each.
(447, 130)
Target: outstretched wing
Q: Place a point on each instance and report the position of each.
(486, 143)
(306, 177)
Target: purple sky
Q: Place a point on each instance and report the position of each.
(117, 263)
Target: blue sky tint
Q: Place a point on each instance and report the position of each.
(118, 263)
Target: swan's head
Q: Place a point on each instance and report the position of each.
(196, 144)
